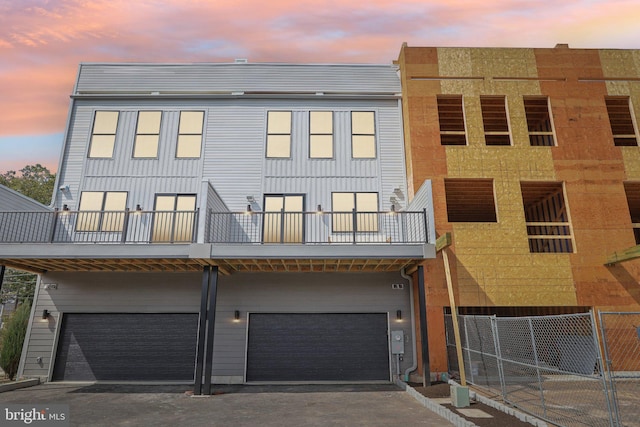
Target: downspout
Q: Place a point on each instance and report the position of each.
(414, 350)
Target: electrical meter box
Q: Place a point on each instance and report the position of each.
(397, 342)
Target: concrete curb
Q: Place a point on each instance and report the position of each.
(19, 384)
(504, 408)
(445, 413)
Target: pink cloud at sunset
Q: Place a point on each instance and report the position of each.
(42, 41)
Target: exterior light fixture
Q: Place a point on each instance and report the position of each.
(65, 207)
(249, 210)
(45, 314)
(399, 315)
(319, 210)
(236, 316)
(138, 208)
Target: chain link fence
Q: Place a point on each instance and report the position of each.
(548, 366)
(621, 343)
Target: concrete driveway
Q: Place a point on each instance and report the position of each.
(300, 405)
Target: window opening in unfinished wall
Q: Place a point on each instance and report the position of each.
(451, 118)
(546, 216)
(539, 123)
(621, 121)
(470, 200)
(632, 189)
(494, 118)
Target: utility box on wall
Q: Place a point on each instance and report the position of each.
(397, 342)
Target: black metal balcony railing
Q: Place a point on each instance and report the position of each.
(317, 227)
(221, 227)
(99, 227)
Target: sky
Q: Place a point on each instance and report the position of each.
(43, 41)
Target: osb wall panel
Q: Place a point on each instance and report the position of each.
(492, 261)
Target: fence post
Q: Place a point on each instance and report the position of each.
(125, 226)
(354, 225)
(606, 367)
(466, 340)
(496, 343)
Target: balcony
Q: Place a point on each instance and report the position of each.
(235, 241)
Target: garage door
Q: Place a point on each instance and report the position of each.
(126, 347)
(318, 347)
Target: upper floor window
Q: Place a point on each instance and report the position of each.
(101, 211)
(103, 136)
(494, 118)
(363, 205)
(470, 200)
(363, 135)
(321, 134)
(547, 217)
(147, 134)
(451, 118)
(621, 121)
(539, 124)
(190, 134)
(279, 134)
(632, 190)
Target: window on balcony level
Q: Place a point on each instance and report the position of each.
(632, 189)
(546, 216)
(363, 205)
(621, 120)
(470, 200)
(101, 211)
(103, 136)
(174, 218)
(363, 135)
(279, 134)
(321, 134)
(451, 118)
(495, 120)
(147, 134)
(190, 134)
(539, 123)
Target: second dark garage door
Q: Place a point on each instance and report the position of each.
(318, 347)
(126, 347)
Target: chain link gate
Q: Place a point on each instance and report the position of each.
(549, 366)
(621, 343)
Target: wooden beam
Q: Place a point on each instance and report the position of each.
(454, 318)
(625, 255)
(443, 241)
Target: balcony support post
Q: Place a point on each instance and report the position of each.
(211, 320)
(422, 304)
(125, 226)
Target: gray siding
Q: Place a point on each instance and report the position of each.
(228, 78)
(180, 293)
(12, 201)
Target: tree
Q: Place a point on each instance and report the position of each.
(35, 181)
(12, 338)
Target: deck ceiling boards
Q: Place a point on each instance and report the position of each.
(226, 266)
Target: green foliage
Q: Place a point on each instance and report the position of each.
(12, 338)
(35, 181)
(18, 285)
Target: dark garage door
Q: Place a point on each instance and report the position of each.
(126, 347)
(318, 347)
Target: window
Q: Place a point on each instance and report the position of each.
(321, 134)
(539, 121)
(494, 117)
(363, 205)
(363, 135)
(283, 219)
(147, 134)
(546, 217)
(174, 218)
(621, 121)
(451, 118)
(279, 134)
(470, 200)
(632, 189)
(103, 137)
(101, 211)
(190, 134)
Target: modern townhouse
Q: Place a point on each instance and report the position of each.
(227, 223)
